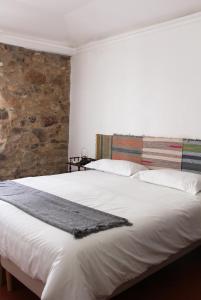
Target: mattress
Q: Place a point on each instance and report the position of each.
(164, 222)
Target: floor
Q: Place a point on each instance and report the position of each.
(179, 281)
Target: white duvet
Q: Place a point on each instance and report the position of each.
(164, 221)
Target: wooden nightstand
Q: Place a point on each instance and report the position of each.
(78, 162)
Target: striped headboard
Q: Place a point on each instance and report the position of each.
(127, 147)
(153, 152)
(191, 158)
(103, 146)
(162, 153)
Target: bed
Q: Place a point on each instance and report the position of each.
(54, 265)
(165, 221)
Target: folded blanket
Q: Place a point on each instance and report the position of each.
(69, 216)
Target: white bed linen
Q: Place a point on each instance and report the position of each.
(165, 221)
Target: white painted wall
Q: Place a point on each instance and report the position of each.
(147, 83)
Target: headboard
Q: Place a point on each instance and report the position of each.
(162, 153)
(127, 147)
(154, 152)
(191, 158)
(103, 146)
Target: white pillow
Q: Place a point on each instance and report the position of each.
(185, 181)
(119, 167)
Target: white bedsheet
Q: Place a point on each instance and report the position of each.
(165, 221)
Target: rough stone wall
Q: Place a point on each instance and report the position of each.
(34, 112)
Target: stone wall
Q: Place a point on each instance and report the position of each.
(34, 112)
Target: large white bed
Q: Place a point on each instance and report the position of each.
(165, 221)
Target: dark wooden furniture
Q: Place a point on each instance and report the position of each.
(78, 162)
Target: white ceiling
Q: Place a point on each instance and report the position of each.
(73, 23)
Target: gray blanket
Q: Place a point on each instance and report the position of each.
(69, 216)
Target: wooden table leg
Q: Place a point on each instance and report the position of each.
(1, 275)
(9, 281)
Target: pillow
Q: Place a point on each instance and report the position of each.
(185, 181)
(119, 167)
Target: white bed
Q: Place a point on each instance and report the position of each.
(165, 221)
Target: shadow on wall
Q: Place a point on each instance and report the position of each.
(34, 112)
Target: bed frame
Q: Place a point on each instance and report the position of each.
(37, 286)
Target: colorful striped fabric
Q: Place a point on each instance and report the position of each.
(162, 153)
(191, 158)
(126, 147)
(103, 146)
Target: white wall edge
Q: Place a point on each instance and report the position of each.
(36, 44)
(145, 30)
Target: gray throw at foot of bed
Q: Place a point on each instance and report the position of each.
(69, 216)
